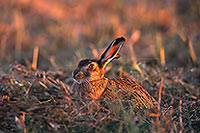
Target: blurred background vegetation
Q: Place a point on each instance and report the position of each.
(69, 30)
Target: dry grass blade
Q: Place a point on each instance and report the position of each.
(35, 58)
(27, 91)
(161, 49)
(180, 116)
(20, 123)
(192, 52)
(160, 92)
(159, 101)
(66, 91)
(52, 82)
(134, 38)
(41, 83)
(188, 43)
(162, 56)
(5, 97)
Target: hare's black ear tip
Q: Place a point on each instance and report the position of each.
(120, 39)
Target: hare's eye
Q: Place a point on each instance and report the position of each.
(91, 66)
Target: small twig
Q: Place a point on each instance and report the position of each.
(162, 56)
(20, 122)
(53, 62)
(180, 117)
(161, 49)
(160, 92)
(35, 57)
(52, 82)
(159, 100)
(167, 110)
(66, 91)
(192, 53)
(188, 43)
(41, 83)
(27, 91)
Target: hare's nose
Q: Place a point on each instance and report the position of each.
(75, 72)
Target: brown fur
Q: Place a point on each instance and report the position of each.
(116, 88)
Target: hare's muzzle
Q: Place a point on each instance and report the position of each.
(77, 75)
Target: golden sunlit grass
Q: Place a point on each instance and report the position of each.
(35, 58)
(50, 37)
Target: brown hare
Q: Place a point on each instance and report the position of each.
(90, 83)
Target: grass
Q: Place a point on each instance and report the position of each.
(34, 100)
(41, 44)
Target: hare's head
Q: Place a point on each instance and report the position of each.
(92, 69)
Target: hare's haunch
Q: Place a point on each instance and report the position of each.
(90, 82)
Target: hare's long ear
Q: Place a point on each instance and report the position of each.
(112, 51)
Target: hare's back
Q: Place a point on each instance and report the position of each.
(128, 89)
